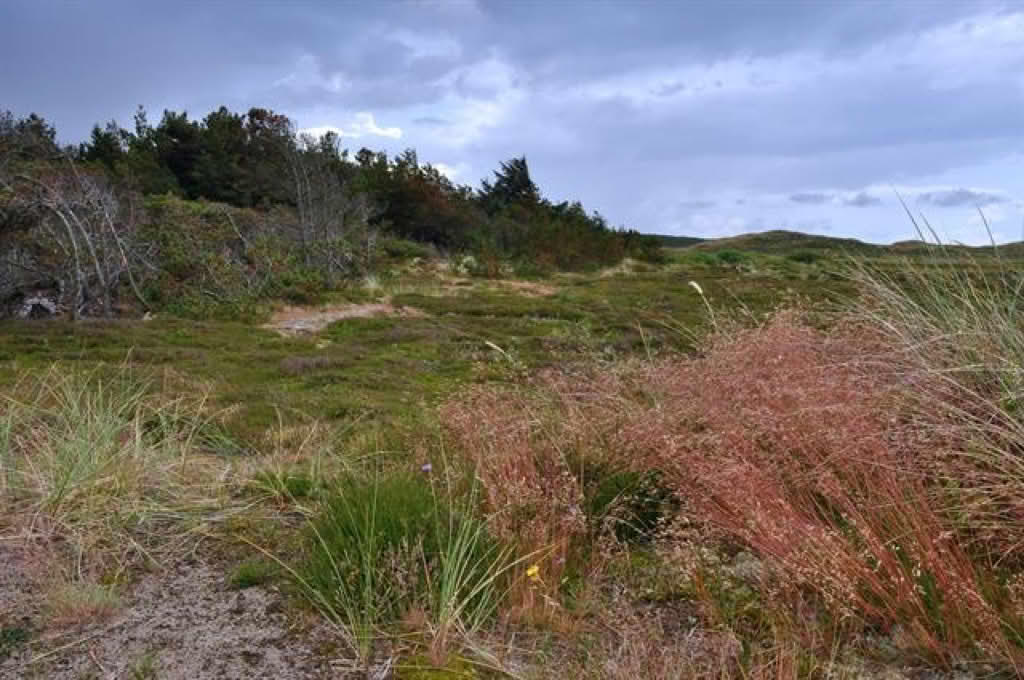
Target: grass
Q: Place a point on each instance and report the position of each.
(388, 547)
(78, 602)
(805, 466)
(11, 637)
(93, 454)
(254, 572)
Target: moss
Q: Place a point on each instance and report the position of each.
(254, 572)
(12, 637)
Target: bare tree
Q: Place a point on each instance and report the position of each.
(334, 233)
(86, 233)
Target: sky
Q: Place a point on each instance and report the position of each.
(693, 118)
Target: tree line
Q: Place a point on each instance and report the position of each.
(213, 215)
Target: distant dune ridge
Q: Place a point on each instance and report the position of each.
(781, 241)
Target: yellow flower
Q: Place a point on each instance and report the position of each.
(533, 572)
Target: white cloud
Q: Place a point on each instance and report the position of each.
(715, 225)
(480, 96)
(452, 172)
(308, 74)
(423, 45)
(361, 124)
(983, 47)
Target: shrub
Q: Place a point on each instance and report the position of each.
(401, 249)
(730, 256)
(804, 256)
(702, 258)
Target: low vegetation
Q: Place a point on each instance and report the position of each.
(213, 219)
(769, 456)
(811, 490)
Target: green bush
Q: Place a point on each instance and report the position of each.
(730, 256)
(702, 258)
(395, 248)
(631, 504)
(804, 256)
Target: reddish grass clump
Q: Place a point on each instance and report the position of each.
(805, 446)
(796, 442)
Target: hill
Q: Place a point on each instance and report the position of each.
(781, 242)
(667, 241)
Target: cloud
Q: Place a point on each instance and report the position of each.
(861, 199)
(361, 125)
(714, 225)
(824, 96)
(697, 204)
(431, 121)
(811, 198)
(952, 198)
(452, 172)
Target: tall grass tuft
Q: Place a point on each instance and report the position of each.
(954, 327)
(105, 462)
(392, 546)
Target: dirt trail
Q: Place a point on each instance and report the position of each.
(184, 623)
(305, 320)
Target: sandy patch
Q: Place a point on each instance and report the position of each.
(304, 320)
(456, 286)
(19, 596)
(529, 288)
(185, 623)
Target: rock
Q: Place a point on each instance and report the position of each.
(37, 307)
(748, 569)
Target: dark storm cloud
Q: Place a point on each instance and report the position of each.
(961, 197)
(565, 42)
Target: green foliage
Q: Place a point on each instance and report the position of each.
(402, 249)
(240, 209)
(10, 638)
(512, 185)
(287, 485)
(730, 256)
(382, 546)
(220, 262)
(254, 572)
(634, 504)
(804, 256)
(145, 667)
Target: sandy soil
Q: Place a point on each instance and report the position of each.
(528, 288)
(185, 620)
(304, 320)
